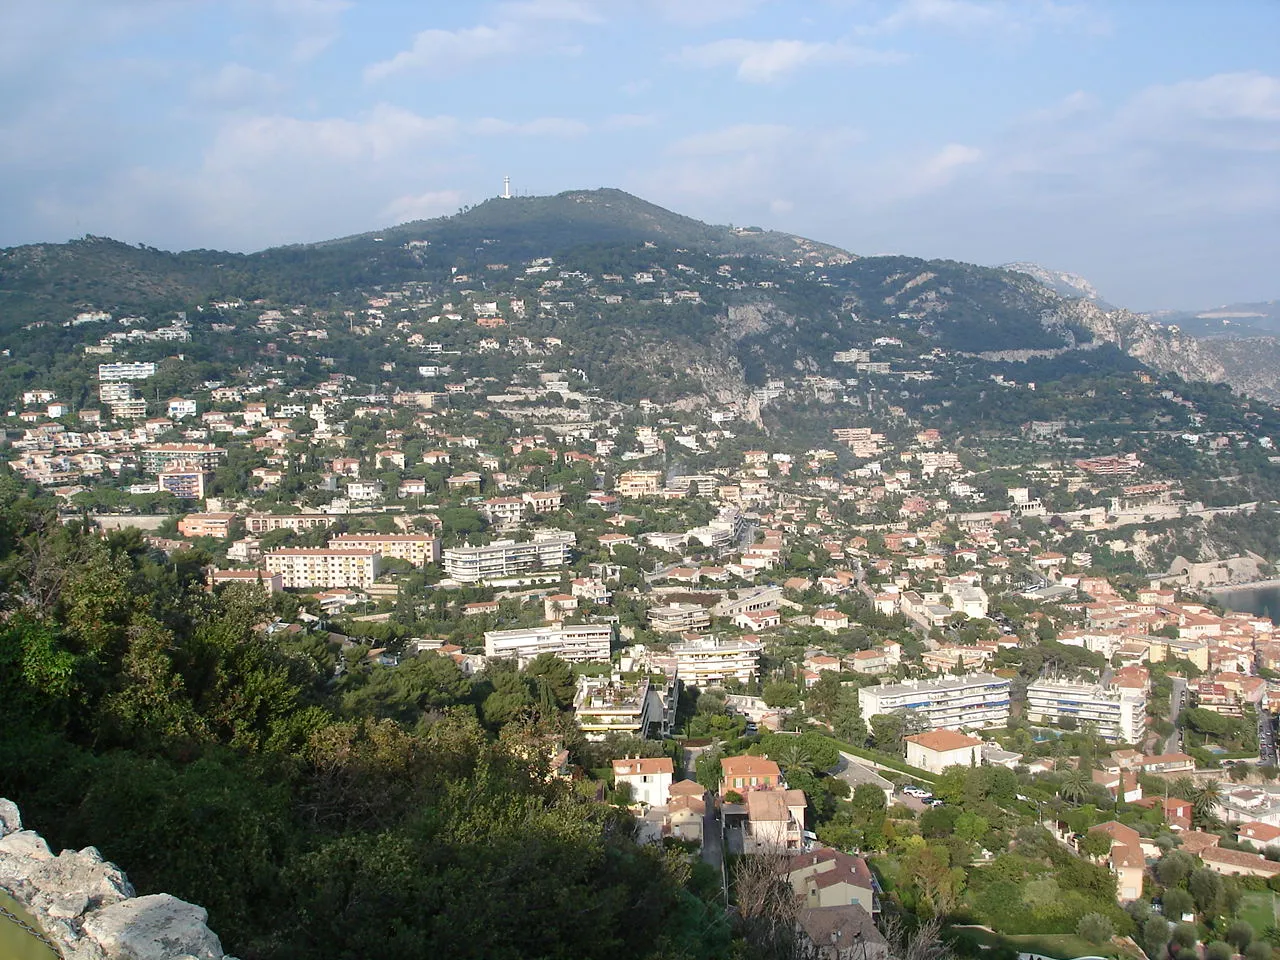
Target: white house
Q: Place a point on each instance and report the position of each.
(938, 749)
(648, 777)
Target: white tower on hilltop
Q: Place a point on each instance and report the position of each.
(506, 188)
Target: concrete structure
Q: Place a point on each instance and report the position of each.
(185, 481)
(1118, 715)
(639, 483)
(938, 749)
(577, 643)
(266, 522)
(419, 549)
(307, 567)
(743, 774)
(775, 821)
(970, 702)
(547, 550)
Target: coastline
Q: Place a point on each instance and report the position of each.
(1272, 584)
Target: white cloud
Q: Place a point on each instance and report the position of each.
(539, 127)
(992, 17)
(444, 50)
(696, 13)
(763, 61)
(939, 169)
(234, 84)
(312, 26)
(423, 206)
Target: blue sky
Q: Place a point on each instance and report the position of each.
(1136, 143)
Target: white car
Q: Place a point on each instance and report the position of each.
(915, 792)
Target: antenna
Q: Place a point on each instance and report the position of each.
(506, 188)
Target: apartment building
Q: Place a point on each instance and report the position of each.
(125, 371)
(575, 642)
(645, 708)
(203, 455)
(184, 480)
(1118, 715)
(307, 567)
(678, 618)
(419, 549)
(271, 582)
(547, 550)
(115, 391)
(128, 409)
(639, 483)
(206, 525)
(977, 700)
(266, 522)
(710, 661)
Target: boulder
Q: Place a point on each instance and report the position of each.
(10, 818)
(83, 873)
(156, 927)
(24, 845)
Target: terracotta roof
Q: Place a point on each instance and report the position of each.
(687, 788)
(642, 765)
(943, 740)
(848, 923)
(1240, 859)
(1195, 842)
(1256, 830)
(767, 805)
(748, 766)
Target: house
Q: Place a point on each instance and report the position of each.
(841, 933)
(648, 777)
(747, 773)
(938, 749)
(1126, 859)
(775, 821)
(831, 878)
(686, 810)
(1257, 834)
(832, 621)
(1238, 863)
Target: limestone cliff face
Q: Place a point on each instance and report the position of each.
(86, 907)
(1251, 366)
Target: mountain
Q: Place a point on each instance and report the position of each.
(1066, 285)
(1229, 320)
(657, 304)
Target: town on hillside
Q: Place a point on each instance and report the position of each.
(910, 640)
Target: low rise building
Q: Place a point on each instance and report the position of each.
(649, 778)
(678, 618)
(938, 749)
(419, 549)
(577, 642)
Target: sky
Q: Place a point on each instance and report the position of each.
(1135, 142)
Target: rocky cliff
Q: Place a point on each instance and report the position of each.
(86, 908)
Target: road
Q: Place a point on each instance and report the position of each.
(1266, 739)
(1177, 697)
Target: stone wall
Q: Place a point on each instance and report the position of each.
(87, 908)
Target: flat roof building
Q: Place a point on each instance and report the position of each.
(974, 701)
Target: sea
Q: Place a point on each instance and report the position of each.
(1262, 600)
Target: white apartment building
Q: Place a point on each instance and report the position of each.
(954, 703)
(575, 642)
(419, 549)
(547, 550)
(113, 391)
(678, 618)
(306, 567)
(266, 522)
(125, 371)
(710, 661)
(1118, 715)
(128, 409)
(644, 708)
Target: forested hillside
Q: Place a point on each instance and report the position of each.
(315, 813)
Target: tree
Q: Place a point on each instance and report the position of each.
(1076, 785)
(1204, 803)
(1095, 843)
(548, 671)
(1205, 887)
(1177, 903)
(1186, 935)
(779, 693)
(1259, 950)
(1174, 867)
(1217, 950)
(1095, 928)
(1155, 936)
(886, 732)
(1239, 935)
